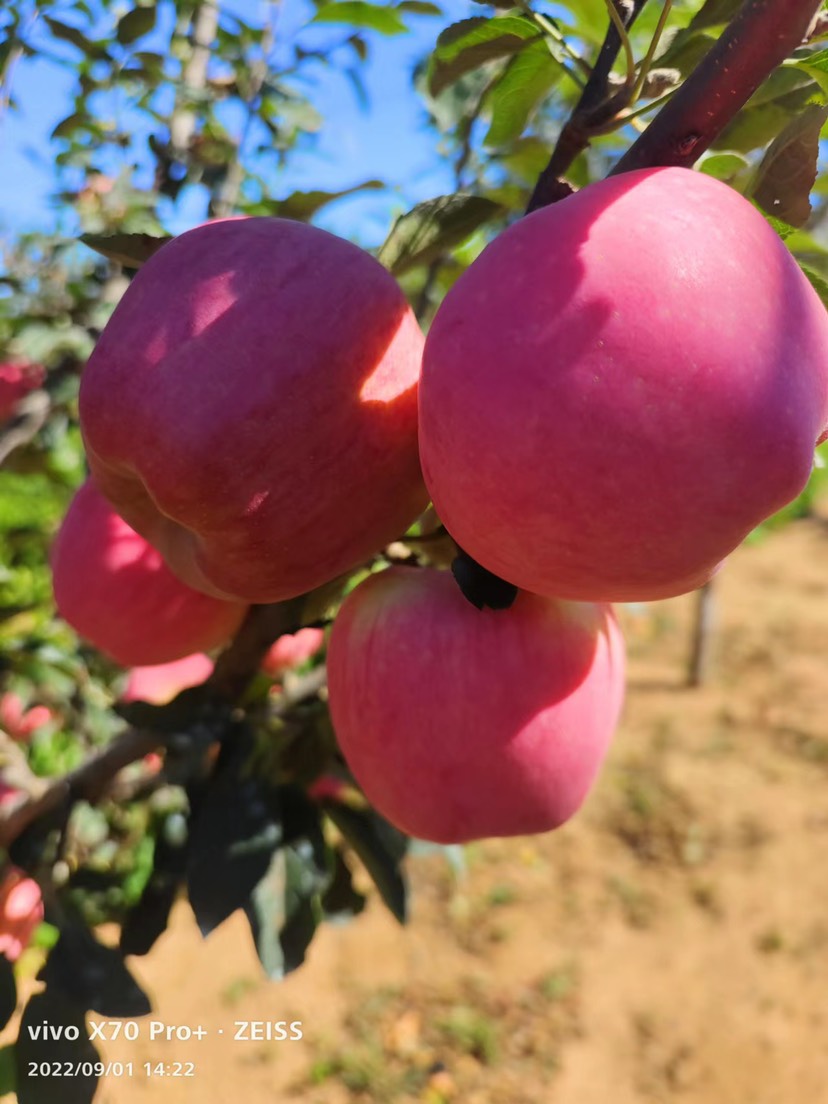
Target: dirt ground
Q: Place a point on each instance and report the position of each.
(670, 944)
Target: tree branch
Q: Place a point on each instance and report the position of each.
(596, 105)
(760, 37)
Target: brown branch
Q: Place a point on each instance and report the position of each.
(30, 416)
(194, 75)
(596, 105)
(760, 37)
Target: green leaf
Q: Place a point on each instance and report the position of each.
(714, 13)
(129, 250)
(359, 13)
(34, 1048)
(525, 83)
(472, 42)
(419, 7)
(303, 205)
(8, 1073)
(76, 38)
(92, 976)
(767, 112)
(8, 991)
(433, 227)
(381, 849)
(723, 166)
(234, 832)
(816, 66)
(785, 176)
(135, 24)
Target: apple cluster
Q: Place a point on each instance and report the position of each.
(610, 398)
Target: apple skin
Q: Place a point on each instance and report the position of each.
(17, 379)
(621, 387)
(251, 407)
(159, 684)
(115, 591)
(291, 649)
(461, 724)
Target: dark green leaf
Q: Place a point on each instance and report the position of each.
(149, 918)
(715, 13)
(8, 991)
(38, 1045)
(786, 174)
(472, 42)
(284, 909)
(8, 1070)
(359, 13)
(93, 977)
(341, 901)
(129, 250)
(381, 849)
(135, 24)
(515, 95)
(66, 126)
(433, 227)
(233, 835)
(76, 38)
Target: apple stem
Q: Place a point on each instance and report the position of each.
(595, 107)
(758, 39)
(703, 636)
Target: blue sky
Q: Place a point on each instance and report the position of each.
(388, 140)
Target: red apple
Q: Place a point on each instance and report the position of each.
(251, 407)
(460, 724)
(116, 591)
(621, 387)
(19, 722)
(292, 649)
(161, 683)
(21, 910)
(17, 378)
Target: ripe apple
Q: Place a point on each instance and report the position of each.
(116, 591)
(20, 722)
(460, 724)
(251, 407)
(17, 378)
(621, 387)
(163, 681)
(292, 649)
(21, 911)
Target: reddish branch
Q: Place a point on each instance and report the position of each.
(759, 38)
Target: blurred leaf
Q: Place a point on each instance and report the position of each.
(433, 227)
(816, 66)
(135, 24)
(77, 38)
(284, 908)
(129, 250)
(341, 901)
(419, 7)
(93, 977)
(149, 918)
(381, 849)
(59, 1014)
(786, 174)
(359, 13)
(472, 42)
(8, 1071)
(514, 96)
(781, 97)
(8, 991)
(715, 13)
(233, 834)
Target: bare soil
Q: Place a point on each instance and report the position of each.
(670, 944)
